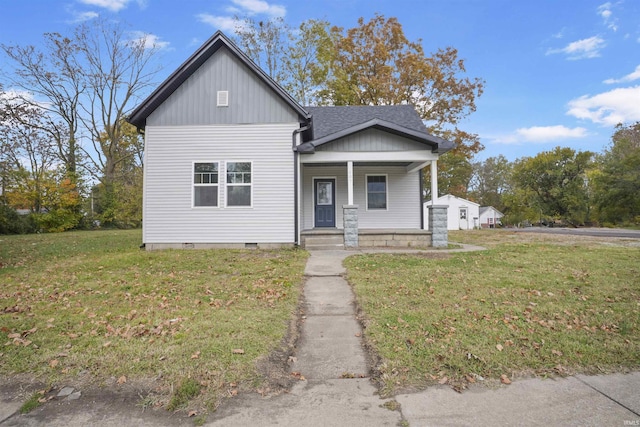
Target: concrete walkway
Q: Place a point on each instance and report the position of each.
(336, 390)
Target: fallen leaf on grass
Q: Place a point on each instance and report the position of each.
(53, 363)
(443, 380)
(192, 414)
(499, 347)
(122, 380)
(504, 379)
(237, 351)
(195, 355)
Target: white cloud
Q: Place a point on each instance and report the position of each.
(542, 134)
(608, 108)
(83, 16)
(260, 7)
(242, 8)
(634, 75)
(581, 49)
(604, 10)
(223, 23)
(550, 133)
(150, 40)
(112, 5)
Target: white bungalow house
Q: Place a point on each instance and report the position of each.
(490, 217)
(462, 214)
(232, 160)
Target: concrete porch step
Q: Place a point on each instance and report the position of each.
(324, 247)
(323, 242)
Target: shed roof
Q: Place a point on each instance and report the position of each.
(484, 209)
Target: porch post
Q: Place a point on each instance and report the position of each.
(434, 181)
(438, 226)
(350, 183)
(350, 213)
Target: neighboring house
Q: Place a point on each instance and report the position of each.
(462, 214)
(490, 217)
(232, 160)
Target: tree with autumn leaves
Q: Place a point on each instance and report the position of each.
(375, 64)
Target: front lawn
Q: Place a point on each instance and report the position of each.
(530, 305)
(93, 307)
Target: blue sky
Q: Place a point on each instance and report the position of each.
(557, 72)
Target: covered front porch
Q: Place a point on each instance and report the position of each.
(360, 168)
(353, 204)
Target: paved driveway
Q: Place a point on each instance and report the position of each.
(597, 232)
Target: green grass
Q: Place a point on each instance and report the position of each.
(94, 303)
(530, 305)
(188, 389)
(32, 403)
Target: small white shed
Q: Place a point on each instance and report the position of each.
(490, 217)
(462, 214)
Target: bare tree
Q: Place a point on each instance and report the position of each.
(50, 80)
(116, 70)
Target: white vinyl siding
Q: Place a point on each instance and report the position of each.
(170, 153)
(403, 196)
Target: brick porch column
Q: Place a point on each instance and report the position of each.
(438, 226)
(350, 222)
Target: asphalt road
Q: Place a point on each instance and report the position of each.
(597, 232)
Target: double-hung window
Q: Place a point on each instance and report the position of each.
(205, 184)
(376, 192)
(238, 183)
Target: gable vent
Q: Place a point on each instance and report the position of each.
(223, 98)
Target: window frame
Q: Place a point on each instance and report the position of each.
(194, 184)
(386, 191)
(227, 185)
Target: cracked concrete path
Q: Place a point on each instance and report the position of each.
(336, 390)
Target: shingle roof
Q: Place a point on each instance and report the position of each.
(331, 123)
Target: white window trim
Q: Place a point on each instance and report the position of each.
(226, 185)
(313, 200)
(194, 185)
(366, 192)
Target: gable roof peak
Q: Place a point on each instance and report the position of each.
(139, 116)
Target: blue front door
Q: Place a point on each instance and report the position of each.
(325, 202)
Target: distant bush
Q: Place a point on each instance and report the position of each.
(13, 223)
